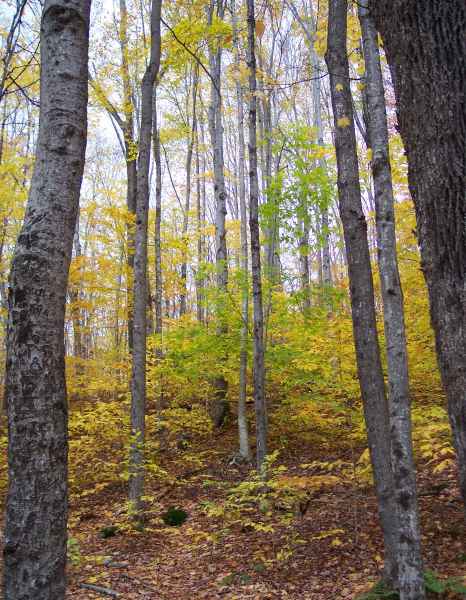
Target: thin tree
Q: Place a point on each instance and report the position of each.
(242, 418)
(37, 504)
(158, 293)
(187, 205)
(426, 50)
(219, 406)
(361, 285)
(138, 375)
(410, 571)
(258, 366)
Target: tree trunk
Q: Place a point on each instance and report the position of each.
(158, 293)
(243, 434)
(259, 369)
(361, 286)
(37, 503)
(131, 164)
(75, 295)
(219, 407)
(410, 570)
(425, 47)
(200, 241)
(189, 161)
(138, 378)
(304, 264)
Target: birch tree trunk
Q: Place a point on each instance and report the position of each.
(410, 570)
(242, 418)
(361, 286)
(37, 503)
(219, 407)
(138, 376)
(425, 47)
(258, 367)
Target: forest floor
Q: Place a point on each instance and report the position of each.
(330, 551)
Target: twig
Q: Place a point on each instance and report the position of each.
(100, 590)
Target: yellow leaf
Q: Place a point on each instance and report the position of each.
(343, 122)
(339, 87)
(260, 28)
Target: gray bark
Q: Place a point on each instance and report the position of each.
(37, 503)
(426, 50)
(361, 286)
(201, 215)
(138, 375)
(75, 295)
(127, 127)
(271, 231)
(410, 568)
(219, 407)
(258, 367)
(243, 434)
(304, 265)
(158, 293)
(189, 161)
(200, 241)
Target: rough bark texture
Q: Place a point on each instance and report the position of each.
(36, 514)
(259, 373)
(219, 407)
(425, 44)
(138, 376)
(360, 275)
(243, 434)
(410, 569)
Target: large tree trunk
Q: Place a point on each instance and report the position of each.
(410, 571)
(259, 369)
(219, 407)
(138, 378)
(243, 367)
(36, 513)
(361, 286)
(425, 47)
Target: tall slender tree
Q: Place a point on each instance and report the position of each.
(138, 375)
(37, 504)
(361, 285)
(219, 406)
(258, 312)
(242, 418)
(187, 205)
(410, 571)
